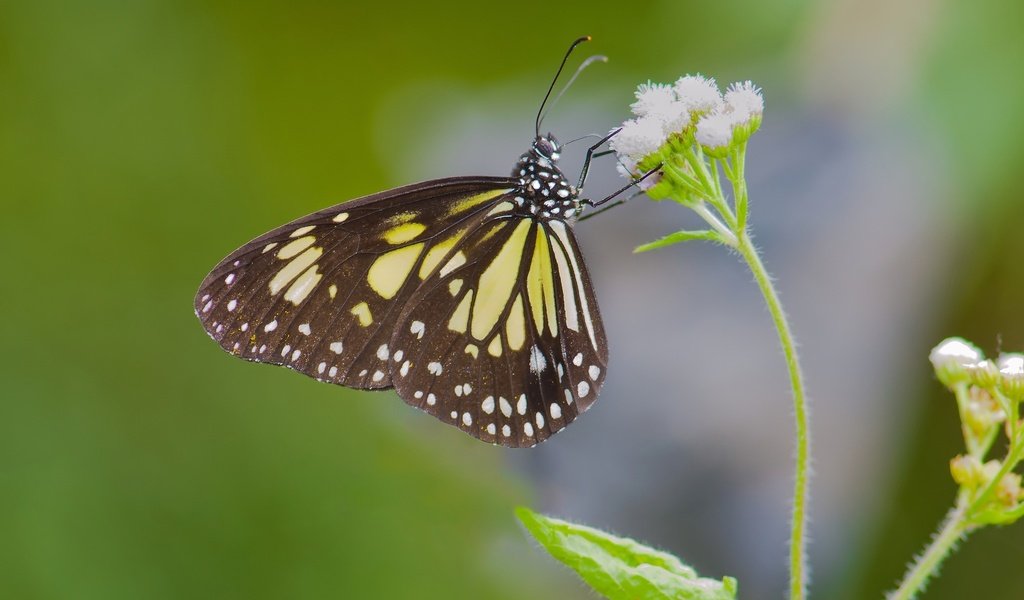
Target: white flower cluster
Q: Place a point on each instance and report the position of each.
(662, 110)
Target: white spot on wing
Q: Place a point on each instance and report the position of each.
(555, 410)
(434, 368)
(506, 408)
(528, 429)
(578, 359)
(382, 352)
(521, 405)
(378, 375)
(582, 389)
(594, 371)
(417, 328)
(336, 347)
(304, 329)
(467, 419)
(487, 405)
(232, 305)
(537, 361)
(270, 326)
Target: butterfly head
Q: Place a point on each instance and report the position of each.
(547, 147)
(543, 189)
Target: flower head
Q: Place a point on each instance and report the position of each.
(714, 131)
(652, 98)
(951, 359)
(1011, 372)
(745, 99)
(698, 93)
(639, 138)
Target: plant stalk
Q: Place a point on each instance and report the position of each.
(798, 526)
(953, 530)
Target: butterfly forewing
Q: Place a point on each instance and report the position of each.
(504, 341)
(323, 294)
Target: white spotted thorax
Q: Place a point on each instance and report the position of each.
(543, 190)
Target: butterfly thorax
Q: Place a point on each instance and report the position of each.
(543, 189)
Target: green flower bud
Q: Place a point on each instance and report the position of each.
(1011, 376)
(951, 359)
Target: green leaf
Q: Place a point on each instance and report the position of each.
(621, 568)
(681, 236)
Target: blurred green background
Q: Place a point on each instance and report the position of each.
(142, 141)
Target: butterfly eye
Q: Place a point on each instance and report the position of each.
(547, 146)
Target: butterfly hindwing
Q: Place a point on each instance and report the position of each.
(322, 294)
(506, 344)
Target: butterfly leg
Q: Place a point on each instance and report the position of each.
(590, 156)
(622, 189)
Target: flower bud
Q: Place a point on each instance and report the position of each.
(1008, 490)
(967, 471)
(984, 374)
(983, 412)
(951, 359)
(698, 93)
(1011, 376)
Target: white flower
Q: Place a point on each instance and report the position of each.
(1012, 365)
(652, 98)
(698, 93)
(952, 360)
(745, 99)
(675, 118)
(1011, 369)
(715, 130)
(954, 351)
(638, 138)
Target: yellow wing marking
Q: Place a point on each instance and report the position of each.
(390, 270)
(362, 310)
(497, 282)
(540, 285)
(291, 249)
(403, 233)
(303, 285)
(474, 200)
(460, 318)
(515, 327)
(438, 252)
(291, 270)
(572, 320)
(563, 235)
(494, 348)
(453, 263)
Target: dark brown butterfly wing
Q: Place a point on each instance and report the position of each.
(323, 294)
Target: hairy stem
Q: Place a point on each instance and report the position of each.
(798, 527)
(953, 529)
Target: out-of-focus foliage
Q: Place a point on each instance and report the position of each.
(142, 141)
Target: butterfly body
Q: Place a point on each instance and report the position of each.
(468, 295)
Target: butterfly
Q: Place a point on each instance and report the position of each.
(467, 295)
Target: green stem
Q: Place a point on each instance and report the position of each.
(798, 527)
(953, 530)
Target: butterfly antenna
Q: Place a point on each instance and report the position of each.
(591, 60)
(540, 111)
